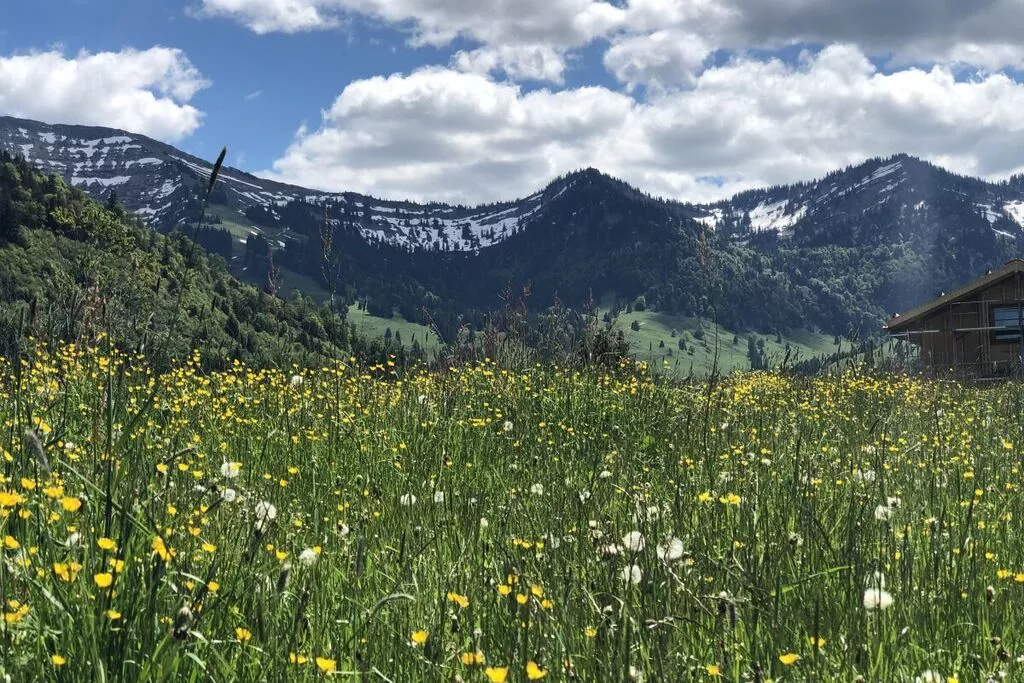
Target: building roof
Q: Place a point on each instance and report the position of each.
(902, 320)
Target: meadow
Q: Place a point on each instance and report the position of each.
(478, 523)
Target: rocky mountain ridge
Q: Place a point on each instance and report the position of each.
(161, 185)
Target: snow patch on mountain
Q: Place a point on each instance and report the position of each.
(145, 161)
(1015, 210)
(475, 229)
(712, 220)
(105, 182)
(989, 213)
(775, 216)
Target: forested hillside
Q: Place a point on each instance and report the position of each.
(72, 269)
(837, 254)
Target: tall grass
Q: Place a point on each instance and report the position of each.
(259, 525)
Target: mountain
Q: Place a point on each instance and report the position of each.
(906, 192)
(838, 254)
(73, 270)
(161, 184)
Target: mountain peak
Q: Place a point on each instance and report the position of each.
(162, 186)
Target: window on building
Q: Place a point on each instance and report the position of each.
(1008, 318)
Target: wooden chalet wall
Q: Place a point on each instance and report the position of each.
(958, 336)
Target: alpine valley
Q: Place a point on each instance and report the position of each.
(835, 255)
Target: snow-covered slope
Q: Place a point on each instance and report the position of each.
(161, 185)
(891, 197)
(902, 188)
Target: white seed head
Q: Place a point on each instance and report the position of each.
(634, 541)
(877, 599)
(631, 574)
(883, 513)
(230, 470)
(671, 550)
(265, 511)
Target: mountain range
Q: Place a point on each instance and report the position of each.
(839, 253)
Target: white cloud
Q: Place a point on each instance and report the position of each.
(518, 62)
(662, 60)
(443, 134)
(562, 23)
(254, 95)
(992, 57)
(984, 33)
(269, 16)
(140, 91)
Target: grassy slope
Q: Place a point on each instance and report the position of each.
(657, 327)
(367, 325)
(654, 327)
(371, 326)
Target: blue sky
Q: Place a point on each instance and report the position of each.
(296, 76)
(467, 101)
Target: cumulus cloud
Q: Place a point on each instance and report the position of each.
(268, 16)
(441, 133)
(991, 57)
(661, 60)
(438, 133)
(692, 100)
(143, 91)
(563, 23)
(877, 24)
(518, 62)
(663, 44)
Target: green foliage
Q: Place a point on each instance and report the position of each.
(254, 525)
(72, 270)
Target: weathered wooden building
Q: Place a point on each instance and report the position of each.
(976, 330)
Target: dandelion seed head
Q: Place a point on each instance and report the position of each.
(671, 550)
(265, 511)
(307, 557)
(230, 470)
(631, 574)
(877, 599)
(634, 541)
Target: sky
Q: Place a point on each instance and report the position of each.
(474, 101)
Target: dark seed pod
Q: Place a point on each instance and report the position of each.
(182, 623)
(283, 576)
(35, 446)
